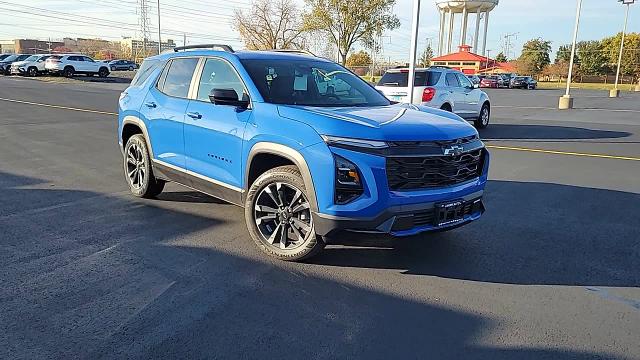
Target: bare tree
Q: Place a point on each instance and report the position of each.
(270, 25)
(347, 22)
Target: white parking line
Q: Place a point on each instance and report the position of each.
(552, 108)
(59, 107)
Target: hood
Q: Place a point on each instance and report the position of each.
(20, 63)
(399, 122)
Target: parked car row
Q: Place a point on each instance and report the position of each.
(511, 81)
(67, 65)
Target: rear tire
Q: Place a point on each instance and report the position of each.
(103, 72)
(271, 209)
(483, 118)
(138, 170)
(68, 72)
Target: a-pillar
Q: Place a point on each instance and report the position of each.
(463, 26)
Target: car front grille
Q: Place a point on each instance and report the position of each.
(413, 173)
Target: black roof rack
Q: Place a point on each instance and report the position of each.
(298, 51)
(224, 47)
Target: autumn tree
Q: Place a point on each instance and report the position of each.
(360, 58)
(630, 64)
(501, 58)
(534, 57)
(270, 25)
(347, 22)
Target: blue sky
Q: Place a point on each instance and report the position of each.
(208, 20)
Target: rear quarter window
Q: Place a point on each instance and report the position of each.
(146, 69)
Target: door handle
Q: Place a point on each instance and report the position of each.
(194, 115)
(150, 105)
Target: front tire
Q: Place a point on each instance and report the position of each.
(483, 118)
(32, 71)
(138, 170)
(278, 215)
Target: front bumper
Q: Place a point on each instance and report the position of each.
(18, 71)
(403, 220)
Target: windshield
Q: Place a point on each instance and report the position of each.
(11, 58)
(32, 58)
(401, 78)
(312, 83)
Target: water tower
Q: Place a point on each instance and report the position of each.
(449, 9)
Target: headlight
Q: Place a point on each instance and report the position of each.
(348, 184)
(353, 143)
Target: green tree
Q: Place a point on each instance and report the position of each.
(564, 54)
(591, 58)
(501, 57)
(535, 56)
(360, 58)
(425, 57)
(630, 64)
(347, 22)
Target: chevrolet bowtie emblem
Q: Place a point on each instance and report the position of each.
(454, 150)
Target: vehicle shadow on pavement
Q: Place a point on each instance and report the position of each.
(497, 132)
(531, 234)
(91, 275)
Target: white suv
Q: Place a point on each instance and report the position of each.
(31, 66)
(71, 64)
(441, 88)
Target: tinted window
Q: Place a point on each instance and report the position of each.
(401, 79)
(452, 80)
(178, 78)
(84, 58)
(11, 58)
(218, 74)
(148, 66)
(309, 82)
(22, 57)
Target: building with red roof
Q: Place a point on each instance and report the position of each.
(470, 63)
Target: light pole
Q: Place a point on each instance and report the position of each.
(615, 92)
(159, 37)
(414, 48)
(566, 101)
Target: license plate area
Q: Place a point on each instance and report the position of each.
(450, 212)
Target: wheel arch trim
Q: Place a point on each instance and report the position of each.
(134, 120)
(289, 153)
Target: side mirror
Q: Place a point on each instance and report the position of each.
(227, 97)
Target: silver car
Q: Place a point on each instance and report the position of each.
(441, 88)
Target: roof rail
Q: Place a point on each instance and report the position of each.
(224, 47)
(440, 67)
(298, 51)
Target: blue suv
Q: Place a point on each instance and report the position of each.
(305, 146)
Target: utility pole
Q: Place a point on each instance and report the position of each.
(414, 48)
(159, 36)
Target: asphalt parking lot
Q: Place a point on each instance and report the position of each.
(551, 271)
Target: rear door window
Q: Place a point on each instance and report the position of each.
(178, 77)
